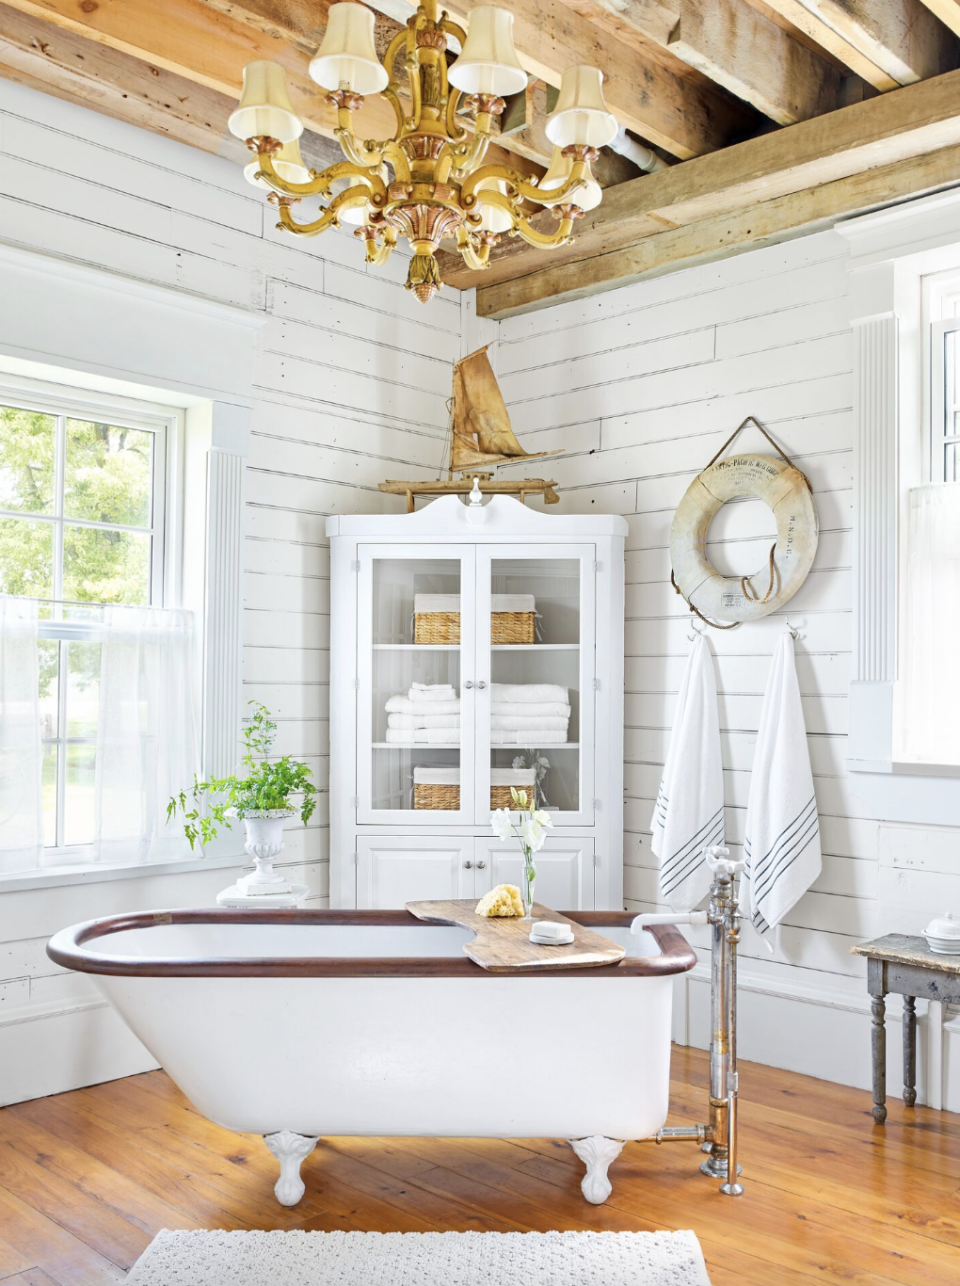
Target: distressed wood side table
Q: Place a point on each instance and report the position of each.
(904, 966)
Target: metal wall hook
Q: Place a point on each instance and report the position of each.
(696, 633)
(793, 631)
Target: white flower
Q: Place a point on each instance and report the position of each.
(532, 834)
(542, 818)
(519, 762)
(501, 822)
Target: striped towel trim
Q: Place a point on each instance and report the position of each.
(786, 848)
(677, 867)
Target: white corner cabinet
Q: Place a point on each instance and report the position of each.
(391, 843)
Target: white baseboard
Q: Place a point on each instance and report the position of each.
(826, 1033)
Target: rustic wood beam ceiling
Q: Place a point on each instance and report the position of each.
(775, 114)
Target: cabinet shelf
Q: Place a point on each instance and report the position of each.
(494, 647)
(455, 745)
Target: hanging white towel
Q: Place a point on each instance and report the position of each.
(782, 833)
(688, 815)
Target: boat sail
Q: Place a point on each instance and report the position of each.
(480, 435)
(480, 430)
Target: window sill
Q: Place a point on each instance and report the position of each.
(904, 767)
(58, 876)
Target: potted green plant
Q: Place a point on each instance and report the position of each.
(261, 798)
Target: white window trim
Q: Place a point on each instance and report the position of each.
(84, 327)
(891, 252)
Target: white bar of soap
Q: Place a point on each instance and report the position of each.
(550, 931)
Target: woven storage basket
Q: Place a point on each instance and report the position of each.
(444, 627)
(447, 798)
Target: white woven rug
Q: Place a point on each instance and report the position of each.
(421, 1259)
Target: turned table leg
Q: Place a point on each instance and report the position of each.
(909, 1050)
(878, 1009)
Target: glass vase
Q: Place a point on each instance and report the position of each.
(529, 879)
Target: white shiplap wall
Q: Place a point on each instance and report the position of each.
(641, 387)
(350, 379)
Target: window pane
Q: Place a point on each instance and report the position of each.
(26, 557)
(83, 688)
(78, 802)
(105, 566)
(107, 474)
(27, 446)
(49, 788)
(951, 462)
(49, 687)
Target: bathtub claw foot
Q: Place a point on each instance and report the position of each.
(597, 1153)
(291, 1150)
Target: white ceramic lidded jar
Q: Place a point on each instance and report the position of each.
(943, 935)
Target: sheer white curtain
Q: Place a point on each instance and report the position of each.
(21, 798)
(146, 740)
(930, 704)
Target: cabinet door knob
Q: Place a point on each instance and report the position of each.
(469, 683)
(481, 866)
(468, 865)
(481, 684)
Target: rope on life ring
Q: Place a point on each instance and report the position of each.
(786, 490)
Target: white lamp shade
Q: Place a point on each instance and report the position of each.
(288, 163)
(265, 110)
(580, 116)
(348, 58)
(494, 217)
(489, 62)
(588, 196)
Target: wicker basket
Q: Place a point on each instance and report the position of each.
(446, 799)
(444, 627)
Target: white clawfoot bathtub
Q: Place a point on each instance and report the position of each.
(296, 1024)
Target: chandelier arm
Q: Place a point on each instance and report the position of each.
(395, 156)
(455, 131)
(544, 240)
(321, 182)
(344, 201)
(472, 257)
(416, 97)
(370, 158)
(377, 255)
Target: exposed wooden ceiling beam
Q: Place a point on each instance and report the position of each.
(914, 121)
(683, 118)
(59, 62)
(708, 239)
(887, 42)
(209, 46)
(731, 43)
(948, 11)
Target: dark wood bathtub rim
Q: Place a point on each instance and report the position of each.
(68, 949)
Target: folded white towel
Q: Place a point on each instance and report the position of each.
(423, 736)
(531, 709)
(534, 737)
(425, 776)
(451, 603)
(688, 815)
(403, 705)
(432, 692)
(529, 692)
(782, 832)
(518, 723)
(423, 721)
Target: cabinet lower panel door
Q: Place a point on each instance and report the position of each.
(564, 871)
(394, 870)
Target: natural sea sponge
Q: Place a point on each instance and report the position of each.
(505, 900)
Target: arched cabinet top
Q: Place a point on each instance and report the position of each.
(498, 518)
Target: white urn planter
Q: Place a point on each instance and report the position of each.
(264, 886)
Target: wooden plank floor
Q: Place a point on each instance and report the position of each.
(87, 1178)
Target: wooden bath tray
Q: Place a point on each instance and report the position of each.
(502, 943)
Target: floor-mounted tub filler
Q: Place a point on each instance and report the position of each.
(298, 1024)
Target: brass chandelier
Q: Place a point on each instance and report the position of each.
(428, 182)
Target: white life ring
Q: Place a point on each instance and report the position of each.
(732, 598)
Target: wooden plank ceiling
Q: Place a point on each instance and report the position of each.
(772, 115)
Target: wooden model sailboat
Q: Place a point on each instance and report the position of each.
(480, 435)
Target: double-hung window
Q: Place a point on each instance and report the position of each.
(82, 528)
(944, 419)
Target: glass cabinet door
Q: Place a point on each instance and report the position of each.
(416, 633)
(536, 651)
